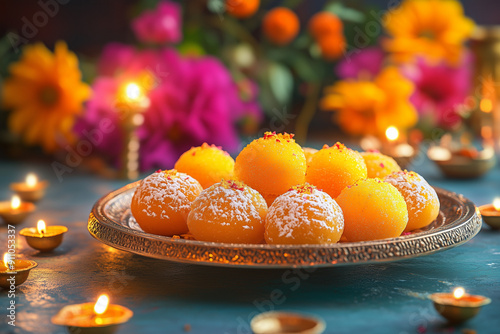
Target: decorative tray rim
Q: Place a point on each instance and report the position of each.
(113, 234)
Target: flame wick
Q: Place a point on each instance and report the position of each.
(392, 133)
(133, 91)
(496, 203)
(101, 304)
(7, 260)
(458, 293)
(31, 180)
(15, 203)
(41, 227)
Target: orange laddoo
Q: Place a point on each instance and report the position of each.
(161, 203)
(334, 168)
(271, 165)
(304, 215)
(309, 152)
(325, 23)
(373, 209)
(421, 199)
(379, 165)
(228, 211)
(280, 25)
(208, 164)
(242, 8)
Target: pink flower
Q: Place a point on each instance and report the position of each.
(366, 62)
(161, 25)
(440, 89)
(195, 100)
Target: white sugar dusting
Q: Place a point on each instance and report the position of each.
(157, 191)
(242, 208)
(289, 210)
(421, 192)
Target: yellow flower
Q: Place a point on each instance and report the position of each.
(435, 29)
(45, 94)
(370, 107)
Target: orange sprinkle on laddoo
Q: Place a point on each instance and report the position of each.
(208, 164)
(379, 165)
(421, 199)
(161, 203)
(334, 168)
(271, 165)
(373, 210)
(242, 8)
(325, 23)
(280, 25)
(228, 211)
(304, 215)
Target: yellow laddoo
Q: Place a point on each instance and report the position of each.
(271, 165)
(421, 199)
(228, 211)
(161, 203)
(208, 164)
(309, 152)
(373, 210)
(333, 168)
(304, 215)
(379, 165)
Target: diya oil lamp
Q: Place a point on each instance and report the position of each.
(44, 238)
(491, 213)
(132, 101)
(90, 318)
(458, 306)
(15, 211)
(392, 145)
(31, 190)
(14, 272)
(286, 323)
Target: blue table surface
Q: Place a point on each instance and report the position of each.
(169, 297)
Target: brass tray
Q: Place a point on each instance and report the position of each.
(112, 223)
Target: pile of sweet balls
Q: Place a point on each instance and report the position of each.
(278, 193)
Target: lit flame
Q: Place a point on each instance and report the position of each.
(40, 226)
(486, 105)
(392, 133)
(15, 202)
(7, 261)
(133, 91)
(496, 203)
(101, 304)
(458, 293)
(31, 180)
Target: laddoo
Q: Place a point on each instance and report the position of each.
(162, 201)
(230, 212)
(208, 164)
(271, 165)
(379, 165)
(333, 168)
(309, 152)
(304, 215)
(421, 199)
(373, 209)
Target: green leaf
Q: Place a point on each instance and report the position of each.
(281, 82)
(345, 13)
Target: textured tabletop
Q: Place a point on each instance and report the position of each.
(169, 297)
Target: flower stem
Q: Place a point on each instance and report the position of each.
(307, 112)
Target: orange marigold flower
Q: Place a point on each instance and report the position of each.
(435, 29)
(242, 8)
(369, 107)
(281, 25)
(332, 46)
(45, 93)
(325, 23)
